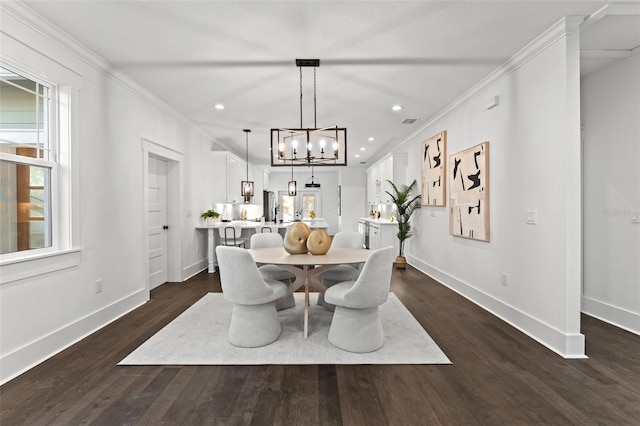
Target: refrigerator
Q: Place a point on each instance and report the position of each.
(269, 206)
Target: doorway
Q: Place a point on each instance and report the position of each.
(157, 225)
(299, 206)
(162, 204)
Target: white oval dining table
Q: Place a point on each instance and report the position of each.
(307, 268)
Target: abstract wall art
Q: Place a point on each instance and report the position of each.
(434, 170)
(469, 193)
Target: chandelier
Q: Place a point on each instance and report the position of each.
(325, 146)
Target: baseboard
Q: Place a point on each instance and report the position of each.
(17, 362)
(614, 315)
(565, 345)
(194, 269)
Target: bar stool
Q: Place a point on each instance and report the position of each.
(268, 228)
(231, 236)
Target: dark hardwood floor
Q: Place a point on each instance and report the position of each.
(498, 376)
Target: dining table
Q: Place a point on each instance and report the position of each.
(307, 267)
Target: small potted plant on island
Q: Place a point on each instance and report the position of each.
(405, 205)
(210, 217)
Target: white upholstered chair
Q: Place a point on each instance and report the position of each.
(232, 236)
(340, 273)
(254, 320)
(273, 272)
(356, 324)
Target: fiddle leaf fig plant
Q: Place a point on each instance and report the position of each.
(405, 205)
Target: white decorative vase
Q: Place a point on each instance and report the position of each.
(211, 221)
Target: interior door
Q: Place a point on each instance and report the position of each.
(157, 230)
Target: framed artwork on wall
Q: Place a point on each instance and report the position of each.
(434, 170)
(469, 193)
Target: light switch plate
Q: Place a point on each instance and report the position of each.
(531, 217)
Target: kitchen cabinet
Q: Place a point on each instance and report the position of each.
(229, 172)
(393, 168)
(378, 233)
(382, 235)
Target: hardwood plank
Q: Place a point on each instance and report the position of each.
(498, 376)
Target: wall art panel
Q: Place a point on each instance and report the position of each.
(434, 170)
(469, 193)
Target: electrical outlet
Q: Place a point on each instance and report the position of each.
(98, 286)
(635, 217)
(433, 213)
(531, 217)
(504, 279)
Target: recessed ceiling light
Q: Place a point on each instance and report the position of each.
(371, 139)
(396, 107)
(357, 156)
(218, 106)
(363, 149)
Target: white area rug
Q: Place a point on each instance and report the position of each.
(199, 337)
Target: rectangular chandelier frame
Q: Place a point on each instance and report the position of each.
(306, 147)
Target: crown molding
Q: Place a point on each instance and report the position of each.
(565, 26)
(40, 25)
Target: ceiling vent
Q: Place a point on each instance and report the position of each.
(409, 120)
(363, 162)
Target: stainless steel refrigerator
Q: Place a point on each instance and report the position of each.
(269, 206)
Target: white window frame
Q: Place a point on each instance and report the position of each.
(63, 252)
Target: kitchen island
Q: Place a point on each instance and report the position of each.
(248, 228)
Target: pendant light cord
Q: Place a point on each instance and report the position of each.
(300, 97)
(247, 153)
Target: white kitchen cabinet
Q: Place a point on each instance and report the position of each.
(382, 235)
(374, 236)
(378, 233)
(229, 172)
(393, 168)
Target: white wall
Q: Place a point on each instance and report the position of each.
(329, 189)
(39, 316)
(534, 165)
(611, 134)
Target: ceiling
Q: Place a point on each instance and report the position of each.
(373, 55)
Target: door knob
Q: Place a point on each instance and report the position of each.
(165, 227)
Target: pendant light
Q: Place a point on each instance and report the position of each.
(247, 185)
(292, 187)
(312, 183)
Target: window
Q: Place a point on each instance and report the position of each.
(27, 165)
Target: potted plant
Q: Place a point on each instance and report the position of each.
(405, 204)
(210, 217)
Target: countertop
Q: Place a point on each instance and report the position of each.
(378, 221)
(313, 224)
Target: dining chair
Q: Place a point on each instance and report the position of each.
(273, 272)
(254, 320)
(340, 273)
(231, 236)
(356, 325)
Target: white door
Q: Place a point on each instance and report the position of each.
(157, 222)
